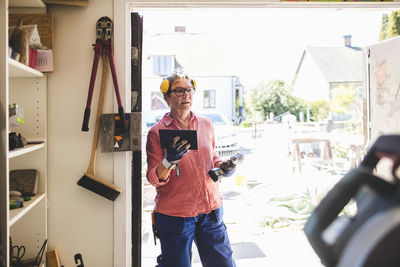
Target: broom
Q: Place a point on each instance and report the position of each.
(89, 180)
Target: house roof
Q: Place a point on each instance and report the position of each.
(338, 64)
(197, 53)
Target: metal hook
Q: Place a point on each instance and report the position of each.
(78, 260)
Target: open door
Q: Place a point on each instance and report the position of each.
(136, 94)
(383, 88)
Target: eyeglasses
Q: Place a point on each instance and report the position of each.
(179, 91)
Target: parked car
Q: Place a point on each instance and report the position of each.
(226, 138)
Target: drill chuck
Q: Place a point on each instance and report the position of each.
(237, 158)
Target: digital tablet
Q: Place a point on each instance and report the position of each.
(166, 137)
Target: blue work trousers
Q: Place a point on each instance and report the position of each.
(208, 231)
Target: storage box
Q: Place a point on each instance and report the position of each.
(44, 60)
(24, 181)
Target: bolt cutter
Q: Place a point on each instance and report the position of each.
(104, 31)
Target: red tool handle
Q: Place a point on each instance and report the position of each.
(108, 50)
(98, 50)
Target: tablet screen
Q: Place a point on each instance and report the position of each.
(166, 137)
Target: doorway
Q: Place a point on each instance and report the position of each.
(289, 164)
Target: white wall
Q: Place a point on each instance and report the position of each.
(79, 221)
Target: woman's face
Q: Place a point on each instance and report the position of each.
(180, 102)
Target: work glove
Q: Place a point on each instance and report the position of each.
(228, 168)
(175, 151)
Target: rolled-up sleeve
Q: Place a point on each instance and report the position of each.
(155, 155)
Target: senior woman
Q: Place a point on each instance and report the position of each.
(188, 205)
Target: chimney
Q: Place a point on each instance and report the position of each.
(347, 40)
(180, 29)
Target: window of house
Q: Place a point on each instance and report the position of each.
(209, 99)
(162, 65)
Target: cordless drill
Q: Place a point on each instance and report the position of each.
(217, 173)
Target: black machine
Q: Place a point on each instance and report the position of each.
(370, 237)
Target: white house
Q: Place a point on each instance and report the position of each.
(321, 70)
(199, 54)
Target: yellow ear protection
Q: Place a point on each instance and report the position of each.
(165, 85)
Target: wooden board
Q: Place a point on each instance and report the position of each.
(131, 137)
(384, 87)
(44, 24)
(52, 258)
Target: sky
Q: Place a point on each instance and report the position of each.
(266, 44)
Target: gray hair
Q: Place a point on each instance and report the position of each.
(176, 75)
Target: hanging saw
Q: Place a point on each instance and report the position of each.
(104, 31)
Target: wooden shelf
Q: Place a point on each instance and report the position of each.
(19, 70)
(16, 214)
(26, 3)
(23, 150)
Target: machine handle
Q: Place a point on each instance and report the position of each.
(385, 146)
(334, 202)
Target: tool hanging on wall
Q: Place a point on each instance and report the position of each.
(104, 31)
(114, 138)
(116, 134)
(89, 180)
(78, 260)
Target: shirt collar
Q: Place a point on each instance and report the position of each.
(167, 120)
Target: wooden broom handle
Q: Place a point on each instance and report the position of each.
(103, 86)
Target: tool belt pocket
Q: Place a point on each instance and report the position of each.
(156, 234)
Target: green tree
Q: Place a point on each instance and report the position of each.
(393, 28)
(383, 34)
(319, 110)
(275, 96)
(390, 25)
(344, 100)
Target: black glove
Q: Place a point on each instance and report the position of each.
(175, 151)
(228, 167)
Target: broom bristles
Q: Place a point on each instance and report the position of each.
(99, 187)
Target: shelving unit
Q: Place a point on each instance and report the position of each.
(21, 84)
(26, 3)
(19, 70)
(26, 149)
(17, 214)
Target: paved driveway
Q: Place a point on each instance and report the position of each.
(265, 172)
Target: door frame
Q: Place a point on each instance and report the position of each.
(122, 43)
